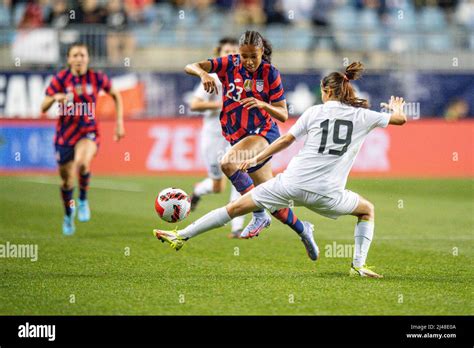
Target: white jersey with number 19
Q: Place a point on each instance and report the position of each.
(335, 133)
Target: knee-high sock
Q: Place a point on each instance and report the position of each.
(214, 219)
(243, 183)
(287, 216)
(83, 185)
(237, 223)
(67, 200)
(363, 234)
(203, 187)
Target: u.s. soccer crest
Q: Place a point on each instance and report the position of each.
(248, 85)
(259, 85)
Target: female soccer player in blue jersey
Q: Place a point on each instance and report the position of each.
(75, 89)
(212, 144)
(252, 96)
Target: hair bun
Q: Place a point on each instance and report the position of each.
(354, 71)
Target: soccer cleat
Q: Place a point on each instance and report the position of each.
(235, 234)
(83, 211)
(308, 240)
(194, 201)
(170, 237)
(68, 223)
(364, 271)
(256, 225)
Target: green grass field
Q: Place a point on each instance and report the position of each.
(423, 245)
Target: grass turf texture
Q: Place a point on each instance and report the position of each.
(418, 223)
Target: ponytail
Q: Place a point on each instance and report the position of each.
(339, 84)
(267, 50)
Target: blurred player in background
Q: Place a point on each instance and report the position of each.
(252, 95)
(75, 89)
(317, 176)
(213, 144)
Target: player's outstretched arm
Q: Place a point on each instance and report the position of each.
(398, 116)
(197, 105)
(48, 101)
(119, 127)
(201, 70)
(278, 145)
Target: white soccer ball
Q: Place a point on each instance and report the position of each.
(173, 204)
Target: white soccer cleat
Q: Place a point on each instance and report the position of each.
(308, 240)
(256, 225)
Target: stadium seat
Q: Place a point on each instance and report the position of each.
(4, 16)
(432, 19)
(344, 18)
(143, 36)
(369, 19)
(403, 20)
(345, 22)
(300, 38)
(189, 19)
(170, 37)
(165, 14)
(277, 35)
(216, 20)
(438, 42)
(18, 12)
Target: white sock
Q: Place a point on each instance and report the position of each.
(234, 194)
(204, 187)
(214, 219)
(237, 223)
(363, 234)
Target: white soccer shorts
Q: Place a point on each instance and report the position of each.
(274, 195)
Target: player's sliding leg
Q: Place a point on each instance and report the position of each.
(363, 235)
(285, 215)
(66, 171)
(214, 219)
(84, 151)
(237, 223)
(219, 217)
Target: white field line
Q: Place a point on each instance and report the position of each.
(95, 183)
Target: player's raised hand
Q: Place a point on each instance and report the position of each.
(119, 131)
(395, 104)
(251, 103)
(209, 83)
(243, 166)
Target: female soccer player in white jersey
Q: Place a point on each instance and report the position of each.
(213, 143)
(317, 176)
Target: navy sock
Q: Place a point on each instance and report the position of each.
(67, 200)
(83, 185)
(288, 218)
